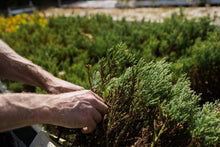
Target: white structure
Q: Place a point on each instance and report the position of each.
(148, 3)
(29, 9)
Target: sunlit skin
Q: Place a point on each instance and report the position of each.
(67, 105)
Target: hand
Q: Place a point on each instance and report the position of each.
(82, 109)
(57, 86)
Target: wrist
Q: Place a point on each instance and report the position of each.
(44, 78)
(48, 82)
(45, 113)
(52, 85)
(55, 85)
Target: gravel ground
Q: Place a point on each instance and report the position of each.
(153, 14)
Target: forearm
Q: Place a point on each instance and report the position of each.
(17, 68)
(80, 109)
(18, 110)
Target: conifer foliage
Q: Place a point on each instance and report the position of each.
(145, 103)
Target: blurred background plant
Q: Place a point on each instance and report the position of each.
(12, 23)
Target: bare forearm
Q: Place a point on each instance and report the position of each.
(18, 110)
(17, 68)
(14, 67)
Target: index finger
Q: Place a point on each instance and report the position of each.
(98, 97)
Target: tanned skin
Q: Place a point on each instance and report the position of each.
(67, 105)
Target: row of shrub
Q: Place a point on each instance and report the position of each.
(151, 101)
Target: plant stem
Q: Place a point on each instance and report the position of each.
(163, 129)
(88, 67)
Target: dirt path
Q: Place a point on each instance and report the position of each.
(153, 14)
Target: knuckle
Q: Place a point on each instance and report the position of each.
(90, 99)
(85, 106)
(87, 91)
(93, 100)
(89, 110)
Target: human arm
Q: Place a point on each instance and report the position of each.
(14, 67)
(81, 109)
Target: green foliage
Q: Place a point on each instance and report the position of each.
(207, 53)
(134, 89)
(141, 96)
(202, 63)
(142, 92)
(182, 102)
(66, 40)
(17, 87)
(206, 124)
